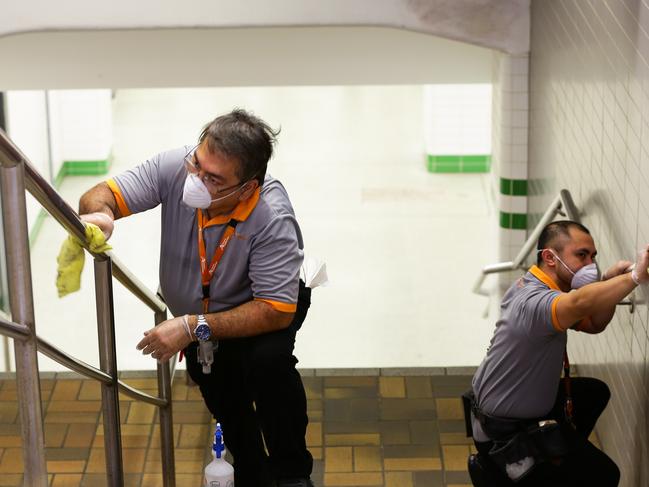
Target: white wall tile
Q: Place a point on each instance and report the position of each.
(457, 119)
(519, 154)
(519, 136)
(520, 101)
(519, 118)
(518, 171)
(518, 237)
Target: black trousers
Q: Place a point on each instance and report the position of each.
(585, 464)
(254, 389)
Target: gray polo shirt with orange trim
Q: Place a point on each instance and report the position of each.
(519, 377)
(261, 261)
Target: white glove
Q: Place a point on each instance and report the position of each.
(165, 340)
(640, 274)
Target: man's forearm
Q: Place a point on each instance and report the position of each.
(99, 199)
(598, 321)
(600, 298)
(249, 319)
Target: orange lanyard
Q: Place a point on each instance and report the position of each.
(568, 406)
(208, 272)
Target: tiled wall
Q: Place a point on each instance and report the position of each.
(457, 126)
(509, 141)
(589, 130)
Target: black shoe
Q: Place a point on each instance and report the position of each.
(295, 483)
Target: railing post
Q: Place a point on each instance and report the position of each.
(166, 417)
(569, 205)
(108, 364)
(21, 301)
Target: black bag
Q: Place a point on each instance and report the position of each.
(550, 439)
(515, 457)
(541, 442)
(519, 444)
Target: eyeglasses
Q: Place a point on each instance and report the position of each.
(210, 181)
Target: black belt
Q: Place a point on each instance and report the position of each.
(495, 427)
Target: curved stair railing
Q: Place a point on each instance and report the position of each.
(17, 175)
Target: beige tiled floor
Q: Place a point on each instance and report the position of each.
(363, 431)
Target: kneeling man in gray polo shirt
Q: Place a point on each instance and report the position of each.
(230, 256)
(518, 385)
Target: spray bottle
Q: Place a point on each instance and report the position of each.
(218, 472)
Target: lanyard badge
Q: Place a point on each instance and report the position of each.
(206, 347)
(206, 355)
(568, 407)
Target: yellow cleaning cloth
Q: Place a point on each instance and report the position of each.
(71, 258)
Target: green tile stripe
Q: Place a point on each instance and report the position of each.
(458, 163)
(513, 187)
(85, 168)
(515, 221)
(81, 168)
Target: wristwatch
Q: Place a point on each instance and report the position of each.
(202, 330)
(205, 346)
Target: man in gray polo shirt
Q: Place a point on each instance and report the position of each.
(519, 381)
(230, 255)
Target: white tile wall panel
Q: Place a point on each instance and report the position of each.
(589, 133)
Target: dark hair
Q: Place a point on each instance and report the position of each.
(552, 233)
(244, 137)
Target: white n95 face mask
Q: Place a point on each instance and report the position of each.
(196, 195)
(586, 275)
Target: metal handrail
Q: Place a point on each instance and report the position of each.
(142, 396)
(19, 175)
(56, 206)
(22, 333)
(51, 200)
(564, 205)
(71, 363)
(13, 330)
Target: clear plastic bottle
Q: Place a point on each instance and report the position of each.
(218, 472)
